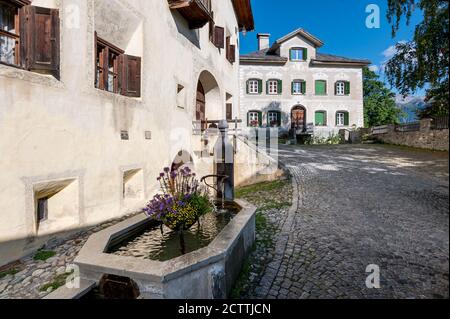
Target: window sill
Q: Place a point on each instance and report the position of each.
(16, 72)
(108, 94)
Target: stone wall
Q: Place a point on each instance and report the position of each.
(426, 137)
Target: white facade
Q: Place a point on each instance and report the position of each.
(63, 139)
(277, 64)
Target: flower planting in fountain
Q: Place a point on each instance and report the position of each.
(182, 202)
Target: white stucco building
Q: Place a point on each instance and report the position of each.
(97, 96)
(290, 84)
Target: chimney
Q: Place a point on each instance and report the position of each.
(263, 41)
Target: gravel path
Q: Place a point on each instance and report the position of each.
(355, 206)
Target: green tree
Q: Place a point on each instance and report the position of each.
(422, 62)
(379, 102)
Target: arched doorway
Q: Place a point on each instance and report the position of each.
(200, 109)
(298, 118)
(209, 104)
(183, 158)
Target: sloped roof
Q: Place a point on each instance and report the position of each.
(263, 55)
(244, 14)
(330, 58)
(267, 56)
(302, 32)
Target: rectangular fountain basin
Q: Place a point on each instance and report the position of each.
(207, 273)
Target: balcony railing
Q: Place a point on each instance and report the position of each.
(196, 12)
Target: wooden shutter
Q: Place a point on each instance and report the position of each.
(303, 87)
(279, 118)
(232, 54)
(130, 75)
(280, 86)
(260, 86)
(259, 118)
(219, 37)
(211, 28)
(267, 87)
(347, 88)
(248, 86)
(335, 88)
(305, 54)
(346, 119)
(248, 118)
(229, 111)
(40, 40)
(292, 87)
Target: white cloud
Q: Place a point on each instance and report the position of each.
(389, 52)
(374, 68)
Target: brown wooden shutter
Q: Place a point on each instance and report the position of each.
(40, 41)
(219, 37)
(130, 75)
(229, 111)
(211, 28)
(232, 54)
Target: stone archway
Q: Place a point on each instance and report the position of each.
(208, 103)
(183, 158)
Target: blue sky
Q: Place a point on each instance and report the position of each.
(340, 24)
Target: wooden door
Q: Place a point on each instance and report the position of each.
(298, 118)
(200, 113)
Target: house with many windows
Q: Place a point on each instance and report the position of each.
(97, 96)
(291, 85)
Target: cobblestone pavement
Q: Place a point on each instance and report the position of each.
(32, 275)
(359, 205)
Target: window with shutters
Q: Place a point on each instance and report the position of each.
(253, 119)
(298, 87)
(321, 87)
(253, 86)
(340, 88)
(272, 87)
(321, 118)
(116, 72)
(273, 118)
(298, 54)
(342, 119)
(29, 37)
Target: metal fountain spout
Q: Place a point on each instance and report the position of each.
(224, 163)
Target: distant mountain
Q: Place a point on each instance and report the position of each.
(409, 106)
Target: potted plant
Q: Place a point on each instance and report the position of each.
(182, 201)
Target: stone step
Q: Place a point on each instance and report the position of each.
(74, 293)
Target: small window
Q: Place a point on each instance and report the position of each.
(298, 54)
(321, 118)
(321, 87)
(253, 87)
(272, 87)
(298, 87)
(342, 119)
(273, 118)
(253, 119)
(42, 210)
(342, 88)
